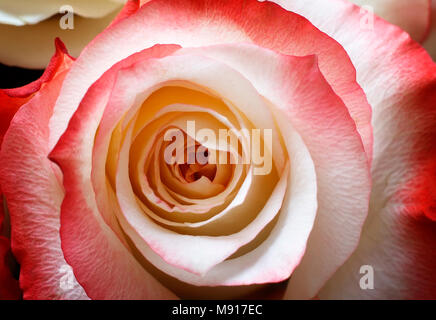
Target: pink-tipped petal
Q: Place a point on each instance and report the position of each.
(399, 79)
(26, 175)
(34, 196)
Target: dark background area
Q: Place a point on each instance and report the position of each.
(13, 77)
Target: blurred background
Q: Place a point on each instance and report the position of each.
(13, 77)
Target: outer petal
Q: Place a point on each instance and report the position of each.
(410, 15)
(11, 101)
(398, 240)
(34, 196)
(129, 8)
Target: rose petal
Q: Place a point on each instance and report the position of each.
(34, 197)
(399, 79)
(35, 235)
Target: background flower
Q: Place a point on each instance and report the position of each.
(430, 42)
(28, 27)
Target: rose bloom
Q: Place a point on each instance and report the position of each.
(98, 213)
(29, 27)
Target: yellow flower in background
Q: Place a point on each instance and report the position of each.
(28, 27)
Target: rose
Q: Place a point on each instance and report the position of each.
(29, 27)
(417, 17)
(78, 231)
